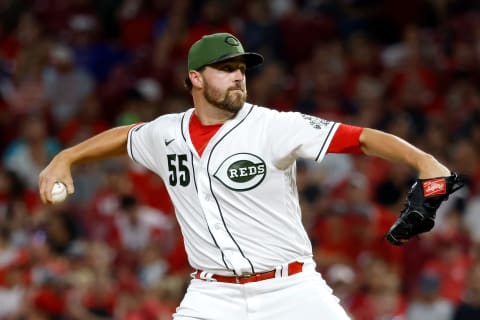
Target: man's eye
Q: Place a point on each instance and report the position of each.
(230, 68)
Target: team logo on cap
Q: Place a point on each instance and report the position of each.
(232, 41)
(241, 172)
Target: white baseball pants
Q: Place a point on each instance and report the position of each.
(303, 296)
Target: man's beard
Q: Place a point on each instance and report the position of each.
(232, 101)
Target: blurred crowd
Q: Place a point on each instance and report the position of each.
(71, 69)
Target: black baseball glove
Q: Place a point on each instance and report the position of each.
(423, 199)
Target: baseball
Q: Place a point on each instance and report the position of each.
(59, 192)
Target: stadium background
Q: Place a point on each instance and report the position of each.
(71, 69)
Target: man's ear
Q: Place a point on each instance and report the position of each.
(195, 78)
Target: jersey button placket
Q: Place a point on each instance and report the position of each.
(213, 216)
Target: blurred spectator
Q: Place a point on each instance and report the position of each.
(99, 216)
(451, 264)
(383, 289)
(259, 30)
(56, 14)
(171, 31)
(435, 137)
(136, 225)
(413, 84)
(471, 220)
(141, 103)
(266, 86)
(153, 267)
(91, 292)
(85, 122)
(342, 279)
(466, 156)
(17, 205)
(9, 46)
(366, 100)
(99, 299)
(212, 16)
(451, 220)
(461, 101)
(15, 195)
(113, 91)
(313, 28)
(136, 21)
(321, 80)
(13, 287)
(24, 92)
(355, 226)
(60, 232)
(34, 47)
(88, 180)
(392, 190)
(331, 241)
(427, 303)
(469, 308)
(47, 271)
(66, 85)
(91, 52)
(155, 303)
(150, 189)
(31, 152)
(333, 171)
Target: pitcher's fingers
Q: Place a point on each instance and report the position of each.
(41, 191)
(70, 187)
(45, 190)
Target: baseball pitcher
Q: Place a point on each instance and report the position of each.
(229, 167)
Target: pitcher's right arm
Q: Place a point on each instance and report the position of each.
(104, 145)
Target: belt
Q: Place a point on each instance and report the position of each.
(293, 268)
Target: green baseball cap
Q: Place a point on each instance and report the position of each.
(218, 47)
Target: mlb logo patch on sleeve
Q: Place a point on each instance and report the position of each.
(434, 187)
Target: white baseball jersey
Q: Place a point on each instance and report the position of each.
(237, 205)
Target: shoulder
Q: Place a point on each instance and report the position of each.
(268, 114)
(272, 112)
(163, 123)
(264, 112)
(166, 121)
(289, 120)
(170, 118)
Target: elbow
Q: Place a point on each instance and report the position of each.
(367, 139)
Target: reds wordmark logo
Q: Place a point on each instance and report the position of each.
(241, 172)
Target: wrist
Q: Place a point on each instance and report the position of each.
(429, 167)
(66, 156)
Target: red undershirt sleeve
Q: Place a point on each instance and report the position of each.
(346, 140)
